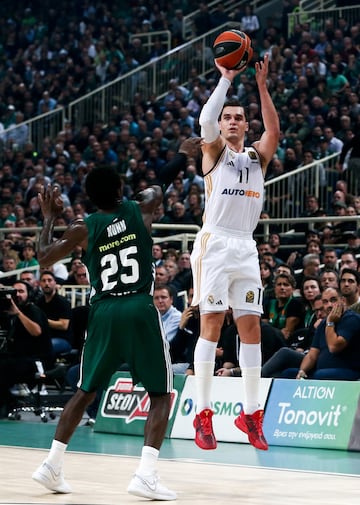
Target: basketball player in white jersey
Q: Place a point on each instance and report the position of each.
(224, 259)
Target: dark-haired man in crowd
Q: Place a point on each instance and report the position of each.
(349, 286)
(30, 277)
(58, 311)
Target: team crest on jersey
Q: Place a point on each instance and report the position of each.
(210, 299)
(250, 297)
(252, 155)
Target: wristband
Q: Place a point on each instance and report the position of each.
(330, 323)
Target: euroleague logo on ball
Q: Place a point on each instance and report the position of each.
(232, 49)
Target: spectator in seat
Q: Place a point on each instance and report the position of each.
(285, 311)
(183, 277)
(18, 134)
(170, 316)
(183, 344)
(284, 268)
(179, 215)
(263, 247)
(203, 22)
(270, 258)
(297, 347)
(310, 289)
(8, 265)
(81, 277)
(335, 144)
(348, 260)
(353, 241)
(267, 279)
(161, 218)
(158, 254)
(58, 311)
(7, 248)
(349, 161)
(349, 286)
(335, 349)
(329, 278)
(250, 22)
(311, 210)
(161, 275)
(47, 103)
(311, 267)
(330, 258)
(28, 254)
(313, 247)
(175, 279)
(71, 277)
(340, 227)
(30, 277)
(275, 248)
(171, 267)
(336, 82)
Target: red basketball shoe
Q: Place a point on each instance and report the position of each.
(204, 435)
(251, 424)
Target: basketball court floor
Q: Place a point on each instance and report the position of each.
(99, 466)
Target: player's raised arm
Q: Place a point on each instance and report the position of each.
(49, 250)
(269, 141)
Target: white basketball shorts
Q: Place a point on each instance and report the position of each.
(226, 273)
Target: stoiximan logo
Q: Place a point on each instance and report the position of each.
(125, 401)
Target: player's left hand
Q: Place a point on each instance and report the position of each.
(50, 201)
(191, 147)
(261, 68)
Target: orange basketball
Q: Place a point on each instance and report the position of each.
(232, 49)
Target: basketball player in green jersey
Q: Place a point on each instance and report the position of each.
(123, 322)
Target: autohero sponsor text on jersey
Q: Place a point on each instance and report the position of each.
(248, 193)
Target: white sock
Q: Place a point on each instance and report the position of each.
(204, 363)
(148, 462)
(56, 455)
(250, 365)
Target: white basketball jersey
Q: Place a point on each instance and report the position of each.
(234, 191)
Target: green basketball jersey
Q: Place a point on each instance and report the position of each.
(119, 254)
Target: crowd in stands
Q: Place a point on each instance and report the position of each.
(47, 60)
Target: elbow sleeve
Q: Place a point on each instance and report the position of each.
(210, 112)
(210, 131)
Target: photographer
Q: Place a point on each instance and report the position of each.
(28, 341)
